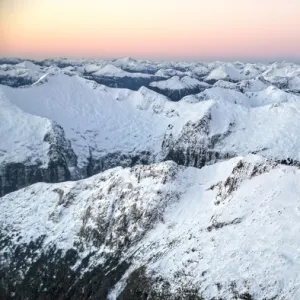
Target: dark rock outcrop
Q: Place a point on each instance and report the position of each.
(132, 83)
(62, 165)
(141, 286)
(194, 147)
(16, 81)
(36, 273)
(176, 95)
(112, 160)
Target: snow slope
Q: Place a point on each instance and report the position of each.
(96, 116)
(219, 94)
(22, 135)
(252, 85)
(272, 95)
(294, 84)
(245, 239)
(222, 231)
(270, 130)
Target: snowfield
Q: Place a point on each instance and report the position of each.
(97, 116)
(21, 134)
(94, 117)
(182, 184)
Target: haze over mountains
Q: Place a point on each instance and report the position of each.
(133, 179)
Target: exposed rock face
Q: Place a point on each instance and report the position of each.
(141, 286)
(62, 165)
(195, 146)
(242, 171)
(16, 81)
(60, 151)
(16, 175)
(37, 273)
(176, 95)
(132, 83)
(112, 160)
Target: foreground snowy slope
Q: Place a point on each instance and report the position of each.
(159, 232)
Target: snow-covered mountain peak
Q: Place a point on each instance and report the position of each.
(177, 83)
(225, 71)
(110, 70)
(28, 65)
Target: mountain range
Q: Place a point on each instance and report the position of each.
(131, 179)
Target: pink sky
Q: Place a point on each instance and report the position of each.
(158, 29)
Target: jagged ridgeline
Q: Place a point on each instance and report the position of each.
(129, 179)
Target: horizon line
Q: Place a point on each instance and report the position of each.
(75, 57)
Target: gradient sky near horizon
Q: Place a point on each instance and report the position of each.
(157, 29)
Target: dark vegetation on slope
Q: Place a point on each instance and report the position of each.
(37, 274)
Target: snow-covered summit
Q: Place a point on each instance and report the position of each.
(225, 72)
(113, 71)
(177, 83)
